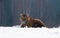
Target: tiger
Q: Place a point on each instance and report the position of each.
(28, 21)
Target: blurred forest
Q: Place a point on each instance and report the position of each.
(46, 10)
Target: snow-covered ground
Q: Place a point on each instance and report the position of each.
(17, 32)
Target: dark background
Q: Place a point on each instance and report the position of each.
(46, 10)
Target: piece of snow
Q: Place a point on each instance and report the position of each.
(18, 32)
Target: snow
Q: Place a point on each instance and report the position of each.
(18, 32)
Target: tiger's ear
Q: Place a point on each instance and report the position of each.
(21, 14)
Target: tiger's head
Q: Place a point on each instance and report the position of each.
(23, 17)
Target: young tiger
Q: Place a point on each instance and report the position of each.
(26, 20)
